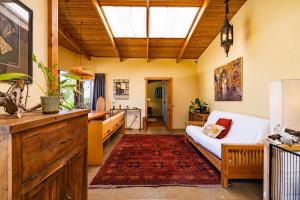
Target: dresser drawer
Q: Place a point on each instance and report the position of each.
(46, 145)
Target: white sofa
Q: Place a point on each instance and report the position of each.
(241, 148)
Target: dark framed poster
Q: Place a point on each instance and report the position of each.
(15, 37)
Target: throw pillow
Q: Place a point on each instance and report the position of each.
(226, 123)
(212, 130)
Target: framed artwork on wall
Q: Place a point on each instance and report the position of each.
(228, 81)
(121, 89)
(15, 37)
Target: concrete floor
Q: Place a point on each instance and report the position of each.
(240, 190)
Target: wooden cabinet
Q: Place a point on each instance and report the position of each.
(52, 188)
(44, 156)
(202, 117)
(77, 176)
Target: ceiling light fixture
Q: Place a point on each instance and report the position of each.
(226, 31)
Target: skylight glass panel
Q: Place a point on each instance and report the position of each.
(126, 21)
(171, 22)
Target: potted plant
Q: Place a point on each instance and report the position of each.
(198, 106)
(51, 99)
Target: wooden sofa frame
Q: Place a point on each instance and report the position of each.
(239, 161)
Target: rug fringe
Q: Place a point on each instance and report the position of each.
(155, 186)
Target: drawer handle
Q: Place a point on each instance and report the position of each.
(117, 124)
(68, 197)
(64, 142)
(34, 176)
(108, 131)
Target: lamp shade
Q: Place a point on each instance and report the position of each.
(82, 73)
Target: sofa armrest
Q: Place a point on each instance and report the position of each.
(194, 123)
(243, 154)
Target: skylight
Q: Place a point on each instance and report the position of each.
(165, 22)
(171, 22)
(126, 21)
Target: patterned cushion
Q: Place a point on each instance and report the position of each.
(212, 130)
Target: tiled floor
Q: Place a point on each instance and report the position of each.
(157, 123)
(240, 190)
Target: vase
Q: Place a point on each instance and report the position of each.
(50, 104)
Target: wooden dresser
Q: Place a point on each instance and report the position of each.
(44, 156)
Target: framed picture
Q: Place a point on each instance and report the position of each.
(228, 80)
(15, 37)
(121, 89)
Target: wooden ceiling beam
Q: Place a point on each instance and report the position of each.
(147, 29)
(102, 17)
(192, 29)
(73, 42)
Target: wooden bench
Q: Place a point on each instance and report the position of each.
(99, 130)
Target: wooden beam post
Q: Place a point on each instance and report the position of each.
(102, 17)
(72, 42)
(53, 37)
(147, 29)
(192, 29)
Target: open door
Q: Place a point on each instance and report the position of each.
(167, 101)
(170, 105)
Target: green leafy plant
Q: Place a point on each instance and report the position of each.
(68, 91)
(198, 106)
(53, 88)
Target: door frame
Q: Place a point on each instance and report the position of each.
(170, 97)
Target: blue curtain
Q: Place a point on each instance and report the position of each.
(99, 89)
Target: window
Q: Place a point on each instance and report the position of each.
(171, 22)
(165, 22)
(126, 21)
(87, 94)
(68, 94)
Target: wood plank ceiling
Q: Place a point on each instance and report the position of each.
(97, 41)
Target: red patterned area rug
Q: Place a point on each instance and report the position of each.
(155, 160)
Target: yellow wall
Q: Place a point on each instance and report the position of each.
(184, 74)
(267, 36)
(40, 29)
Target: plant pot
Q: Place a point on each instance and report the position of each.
(50, 104)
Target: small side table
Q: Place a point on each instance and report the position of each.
(202, 117)
(126, 110)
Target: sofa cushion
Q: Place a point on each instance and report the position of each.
(211, 144)
(226, 123)
(244, 128)
(213, 130)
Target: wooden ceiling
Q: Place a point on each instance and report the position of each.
(98, 41)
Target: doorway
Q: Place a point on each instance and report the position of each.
(159, 103)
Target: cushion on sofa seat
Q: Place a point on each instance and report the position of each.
(226, 123)
(244, 130)
(213, 130)
(211, 144)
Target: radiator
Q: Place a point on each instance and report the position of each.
(284, 174)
